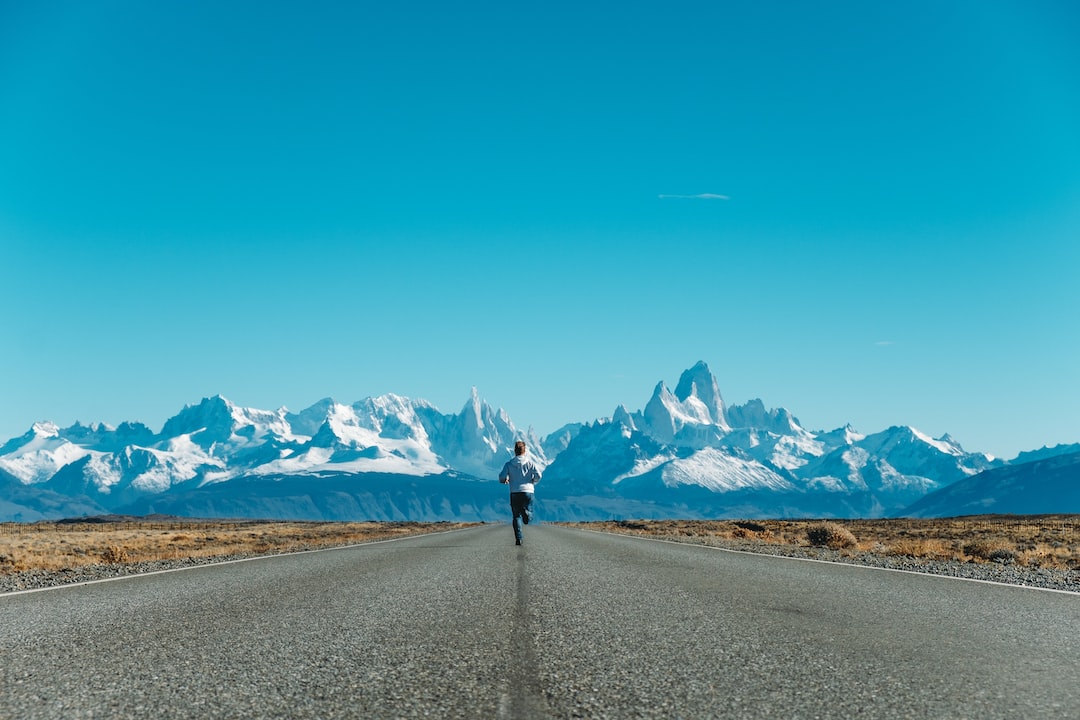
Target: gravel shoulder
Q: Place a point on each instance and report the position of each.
(1007, 573)
(38, 579)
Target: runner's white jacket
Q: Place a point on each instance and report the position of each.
(521, 473)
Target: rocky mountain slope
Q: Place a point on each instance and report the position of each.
(686, 453)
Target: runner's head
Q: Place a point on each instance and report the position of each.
(519, 447)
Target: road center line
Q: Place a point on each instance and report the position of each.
(526, 698)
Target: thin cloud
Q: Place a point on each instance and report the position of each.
(885, 343)
(700, 196)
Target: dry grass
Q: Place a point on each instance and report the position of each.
(56, 546)
(1051, 541)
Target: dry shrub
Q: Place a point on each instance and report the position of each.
(830, 535)
(1037, 559)
(750, 525)
(114, 554)
(994, 550)
(632, 525)
(744, 533)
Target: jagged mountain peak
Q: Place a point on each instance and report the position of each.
(217, 420)
(213, 412)
(308, 421)
(694, 415)
(38, 431)
(475, 408)
(392, 403)
(686, 441)
(898, 435)
(44, 430)
(102, 437)
(699, 383)
(77, 429)
(480, 417)
(659, 414)
(39, 453)
(622, 416)
(754, 415)
(841, 437)
(326, 436)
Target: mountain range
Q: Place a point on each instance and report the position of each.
(685, 454)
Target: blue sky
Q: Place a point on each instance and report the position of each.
(866, 212)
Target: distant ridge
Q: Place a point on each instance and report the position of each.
(686, 453)
(1047, 486)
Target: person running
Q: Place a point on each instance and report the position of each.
(521, 475)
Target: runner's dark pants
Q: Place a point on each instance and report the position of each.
(520, 504)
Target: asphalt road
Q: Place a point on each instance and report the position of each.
(572, 624)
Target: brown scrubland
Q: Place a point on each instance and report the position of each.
(1050, 541)
(62, 545)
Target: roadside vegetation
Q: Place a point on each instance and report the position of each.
(1037, 541)
(67, 545)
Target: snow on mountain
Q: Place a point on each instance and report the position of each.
(104, 438)
(689, 438)
(774, 437)
(890, 469)
(914, 453)
(664, 416)
(685, 422)
(220, 427)
(39, 454)
(559, 440)
(754, 415)
(787, 452)
(179, 460)
(479, 439)
(116, 477)
(685, 453)
(384, 435)
(308, 421)
(216, 441)
(698, 389)
(721, 471)
(841, 437)
(645, 465)
(855, 470)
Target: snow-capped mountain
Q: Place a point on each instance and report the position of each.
(215, 442)
(753, 459)
(686, 453)
(39, 454)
